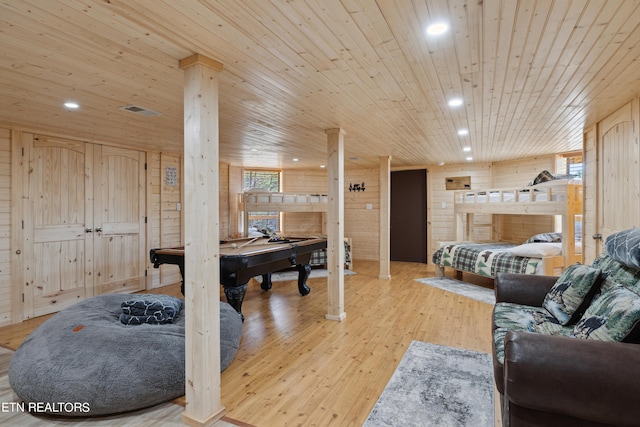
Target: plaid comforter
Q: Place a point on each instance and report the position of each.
(484, 259)
(319, 257)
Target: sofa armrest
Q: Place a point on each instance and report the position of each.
(585, 379)
(526, 289)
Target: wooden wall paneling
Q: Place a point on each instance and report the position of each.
(302, 223)
(362, 225)
(21, 143)
(170, 211)
(7, 253)
(590, 179)
(521, 172)
(442, 227)
(153, 214)
(171, 232)
(518, 228)
(304, 181)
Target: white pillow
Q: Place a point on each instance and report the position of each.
(552, 183)
(536, 250)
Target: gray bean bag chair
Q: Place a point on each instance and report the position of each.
(85, 354)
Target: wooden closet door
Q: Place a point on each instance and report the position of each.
(119, 220)
(58, 249)
(619, 174)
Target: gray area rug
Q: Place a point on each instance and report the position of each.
(461, 288)
(282, 276)
(437, 386)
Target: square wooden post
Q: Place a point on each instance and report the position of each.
(202, 241)
(385, 218)
(335, 224)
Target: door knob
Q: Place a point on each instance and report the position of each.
(89, 230)
(99, 230)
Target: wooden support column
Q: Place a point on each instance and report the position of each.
(385, 217)
(202, 251)
(335, 224)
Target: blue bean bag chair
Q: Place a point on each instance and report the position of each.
(85, 355)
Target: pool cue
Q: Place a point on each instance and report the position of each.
(249, 242)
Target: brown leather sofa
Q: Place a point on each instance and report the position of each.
(549, 380)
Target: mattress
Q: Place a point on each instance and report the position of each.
(485, 259)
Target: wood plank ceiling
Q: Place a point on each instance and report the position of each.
(532, 74)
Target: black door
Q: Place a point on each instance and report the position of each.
(409, 215)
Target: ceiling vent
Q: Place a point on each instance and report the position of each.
(139, 110)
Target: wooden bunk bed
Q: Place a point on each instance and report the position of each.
(258, 200)
(558, 197)
(265, 201)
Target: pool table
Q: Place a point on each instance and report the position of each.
(242, 259)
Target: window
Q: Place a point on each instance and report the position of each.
(267, 180)
(574, 166)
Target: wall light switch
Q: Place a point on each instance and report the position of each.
(369, 206)
(178, 206)
(444, 205)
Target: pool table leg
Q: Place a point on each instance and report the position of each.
(303, 275)
(235, 296)
(266, 282)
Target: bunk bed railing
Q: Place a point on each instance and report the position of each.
(267, 198)
(543, 199)
(538, 193)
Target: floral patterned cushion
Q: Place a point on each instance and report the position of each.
(611, 316)
(624, 247)
(572, 292)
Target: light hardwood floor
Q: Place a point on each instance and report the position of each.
(294, 368)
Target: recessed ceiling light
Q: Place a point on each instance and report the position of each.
(462, 132)
(296, 159)
(440, 163)
(466, 149)
(455, 102)
(437, 28)
(254, 150)
(469, 159)
(322, 166)
(72, 105)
